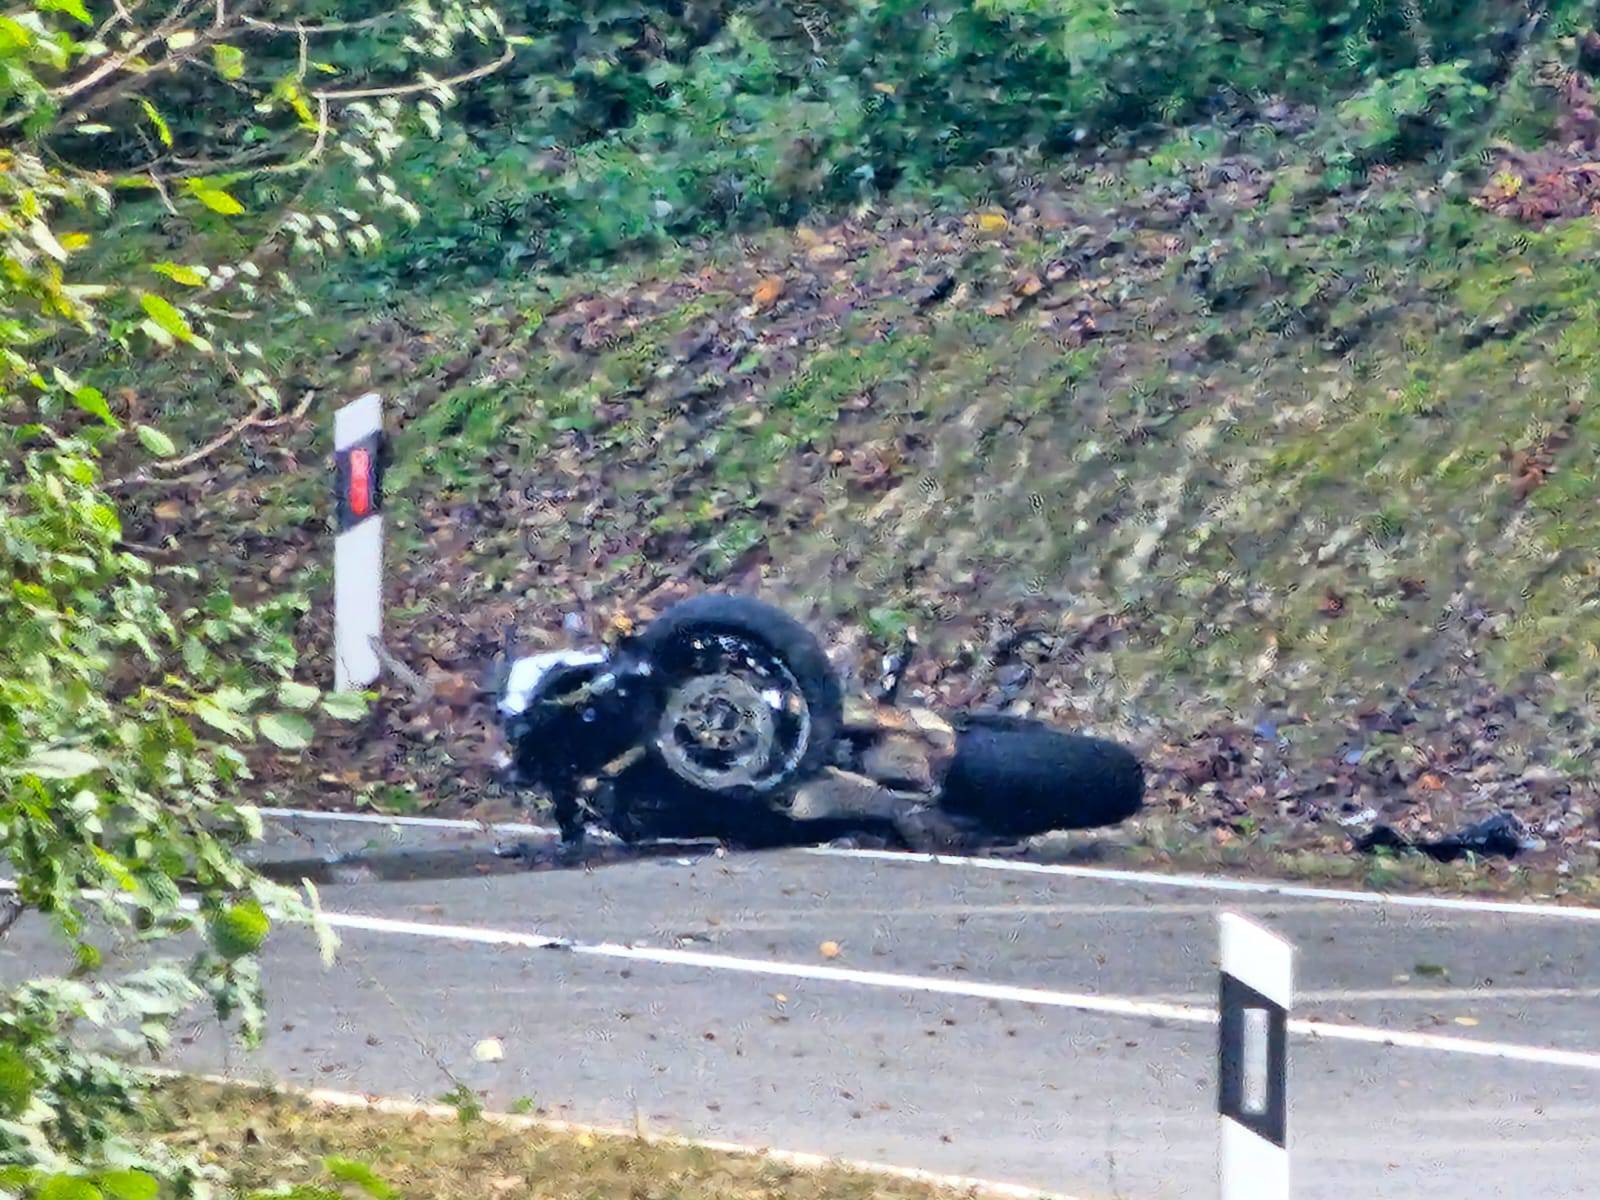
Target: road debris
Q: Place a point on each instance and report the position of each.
(1499, 836)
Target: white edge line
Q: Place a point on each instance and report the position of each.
(666, 956)
(1451, 1045)
(804, 1160)
(1080, 1001)
(1083, 1002)
(1213, 883)
(295, 814)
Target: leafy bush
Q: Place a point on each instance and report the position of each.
(1400, 116)
(128, 688)
(628, 125)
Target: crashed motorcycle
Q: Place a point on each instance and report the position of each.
(723, 718)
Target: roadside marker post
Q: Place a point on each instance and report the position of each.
(358, 544)
(1252, 1067)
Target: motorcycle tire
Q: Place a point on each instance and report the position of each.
(1018, 777)
(744, 636)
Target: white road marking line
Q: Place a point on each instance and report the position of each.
(667, 956)
(1214, 883)
(807, 918)
(397, 1106)
(1465, 995)
(1083, 1002)
(1444, 1043)
(895, 981)
(297, 814)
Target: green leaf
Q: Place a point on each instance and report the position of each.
(59, 764)
(93, 402)
(73, 9)
(128, 1185)
(66, 1187)
(157, 334)
(289, 89)
(298, 695)
(345, 706)
(285, 730)
(228, 60)
(153, 440)
(104, 518)
(349, 1170)
(214, 198)
(240, 929)
(188, 276)
(16, 1082)
(214, 715)
(165, 315)
(163, 131)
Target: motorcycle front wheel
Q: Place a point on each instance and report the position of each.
(745, 705)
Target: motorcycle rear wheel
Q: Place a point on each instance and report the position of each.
(1017, 777)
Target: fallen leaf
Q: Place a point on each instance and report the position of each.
(827, 252)
(1468, 1021)
(489, 1050)
(168, 510)
(829, 949)
(992, 222)
(768, 291)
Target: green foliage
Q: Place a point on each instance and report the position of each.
(466, 1102)
(1403, 115)
(128, 689)
(239, 930)
(630, 125)
(362, 1176)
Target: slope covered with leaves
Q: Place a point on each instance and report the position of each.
(1267, 445)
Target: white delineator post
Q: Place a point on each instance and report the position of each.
(358, 544)
(1253, 1063)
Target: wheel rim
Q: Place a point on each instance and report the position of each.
(737, 721)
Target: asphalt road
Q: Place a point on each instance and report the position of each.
(1042, 1028)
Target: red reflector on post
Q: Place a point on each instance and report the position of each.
(360, 499)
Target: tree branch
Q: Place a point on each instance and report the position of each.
(325, 27)
(411, 89)
(420, 688)
(117, 62)
(256, 420)
(173, 61)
